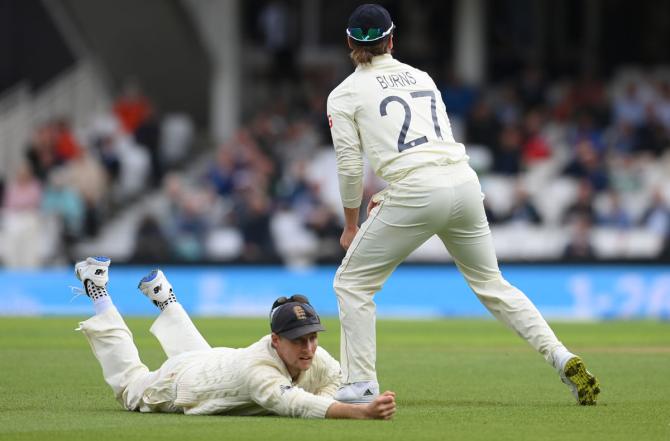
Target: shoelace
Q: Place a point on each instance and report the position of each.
(77, 292)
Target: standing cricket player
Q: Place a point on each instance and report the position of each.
(284, 373)
(393, 113)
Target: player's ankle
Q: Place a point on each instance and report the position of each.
(102, 305)
(98, 295)
(94, 292)
(559, 357)
(172, 299)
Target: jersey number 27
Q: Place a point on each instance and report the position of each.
(402, 141)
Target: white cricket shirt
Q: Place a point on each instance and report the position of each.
(247, 381)
(394, 114)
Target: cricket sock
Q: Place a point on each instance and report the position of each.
(101, 299)
(163, 305)
(560, 357)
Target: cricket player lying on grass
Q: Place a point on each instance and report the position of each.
(284, 373)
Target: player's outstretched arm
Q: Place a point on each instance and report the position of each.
(382, 408)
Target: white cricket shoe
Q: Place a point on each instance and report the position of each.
(155, 286)
(357, 393)
(582, 383)
(95, 269)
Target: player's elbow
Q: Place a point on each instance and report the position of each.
(351, 169)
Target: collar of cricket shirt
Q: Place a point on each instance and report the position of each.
(377, 60)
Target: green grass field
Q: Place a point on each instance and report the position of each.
(455, 379)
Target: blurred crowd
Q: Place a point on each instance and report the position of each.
(257, 200)
(606, 141)
(584, 160)
(72, 180)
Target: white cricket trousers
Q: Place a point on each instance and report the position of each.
(446, 201)
(134, 386)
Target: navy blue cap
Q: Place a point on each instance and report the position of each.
(369, 24)
(293, 319)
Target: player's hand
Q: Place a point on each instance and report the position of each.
(348, 236)
(383, 407)
(372, 204)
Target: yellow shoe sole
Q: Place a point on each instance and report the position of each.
(586, 384)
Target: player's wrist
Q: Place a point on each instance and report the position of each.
(368, 411)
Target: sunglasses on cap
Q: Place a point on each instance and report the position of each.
(284, 300)
(372, 34)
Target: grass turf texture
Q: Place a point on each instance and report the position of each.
(455, 379)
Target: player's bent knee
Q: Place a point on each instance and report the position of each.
(355, 286)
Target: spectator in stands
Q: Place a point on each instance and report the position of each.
(66, 203)
(585, 129)
(147, 135)
(87, 176)
(532, 87)
(589, 97)
(21, 219)
(507, 154)
(41, 152)
(303, 196)
(579, 248)
(657, 217)
(582, 208)
(626, 173)
(253, 211)
(621, 138)
(482, 127)
(458, 97)
(317, 117)
(562, 101)
(254, 158)
(151, 245)
(221, 174)
(629, 107)
(587, 164)
(183, 216)
(192, 226)
(662, 104)
(491, 216)
(508, 107)
(66, 146)
(295, 190)
(174, 190)
(298, 142)
(328, 228)
(265, 129)
(107, 151)
(614, 214)
(523, 210)
(535, 146)
(651, 137)
(132, 108)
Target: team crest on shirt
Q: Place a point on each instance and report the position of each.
(284, 388)
(299, 312)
